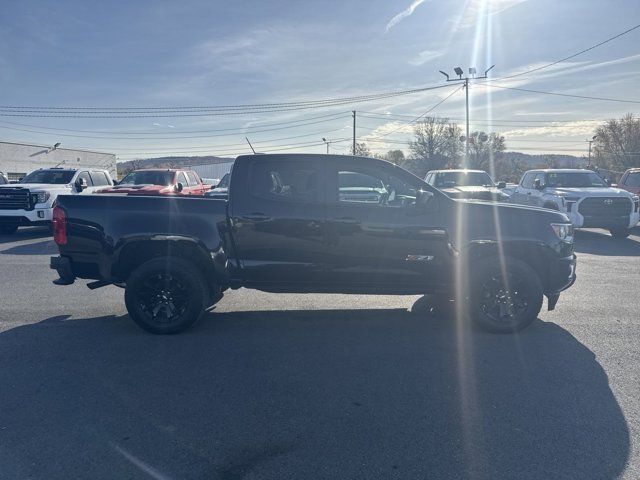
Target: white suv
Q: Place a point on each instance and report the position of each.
(30, 202)
(583, 195)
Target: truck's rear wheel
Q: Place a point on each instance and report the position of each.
(504, 299)
(620, 232)
(8, 229)
(166, 295)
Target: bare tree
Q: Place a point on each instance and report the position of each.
(485, 150)
(361, 150)
(617, 143)
(436, 145)
(395, 156)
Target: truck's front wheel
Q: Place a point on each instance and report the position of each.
(166, 295)
(505, 296)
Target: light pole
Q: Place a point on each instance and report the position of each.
(327, 142)
(465, 81)
(590, 142)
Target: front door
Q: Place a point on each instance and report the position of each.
(277, 220)
(378, 239)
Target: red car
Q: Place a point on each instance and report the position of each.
(630, 181)
(160, 182)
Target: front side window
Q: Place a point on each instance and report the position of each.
(527, 180)
(374, 186)
(182, 179)
(285, 181)
(633, 179)
(86, 177)
(52, 177)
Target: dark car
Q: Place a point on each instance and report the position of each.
(221, 190)
(467, 184)
(288, 227)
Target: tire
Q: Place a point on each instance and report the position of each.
(166, 295)
(620, 232)
(498, 309)
(8, 229)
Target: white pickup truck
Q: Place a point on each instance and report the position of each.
(30, 202)
(583, 195)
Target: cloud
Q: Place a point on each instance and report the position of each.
(476, 10)
(557, 129)
(403, 14)
(424, 57)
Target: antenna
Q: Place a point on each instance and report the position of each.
(247, 139)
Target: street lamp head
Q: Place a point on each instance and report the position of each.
(458, 71)
(445, 74)
(594, 137)
(56, 145)
(324, 139)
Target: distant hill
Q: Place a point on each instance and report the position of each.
(170, 162)
(546, 160)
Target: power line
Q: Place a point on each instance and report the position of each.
(606, 99)
(160, 112)
(572, 55)
(238, 129)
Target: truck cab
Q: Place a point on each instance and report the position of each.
(30, 201)
(587, 198)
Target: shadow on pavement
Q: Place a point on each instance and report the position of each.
(603, 244)
(45, 247)
(26, 234)
(305, 394)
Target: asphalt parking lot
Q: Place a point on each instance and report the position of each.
(318, 386)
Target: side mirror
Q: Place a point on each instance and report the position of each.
(502, 184)
(115, 182)
(537, 184)
(423, 197)
(81, 184)
(607, 181)
(179, 187)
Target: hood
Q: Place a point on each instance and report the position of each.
(140, 189)
(491, 221)
(589, 192)
(474, 192)
(49, 187)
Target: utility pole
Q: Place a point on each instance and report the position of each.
(590, 142)
(465, 85)
(327, 142)
(354, 132)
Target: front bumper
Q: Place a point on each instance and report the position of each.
(37, 216)
(562, 274)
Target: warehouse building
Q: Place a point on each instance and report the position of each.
(18, 159)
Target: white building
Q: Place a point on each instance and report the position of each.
(17, 159)
(213, 170)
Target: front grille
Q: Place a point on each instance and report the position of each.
(15, 199)
(605, 207)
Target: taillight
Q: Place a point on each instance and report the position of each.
(59, 226)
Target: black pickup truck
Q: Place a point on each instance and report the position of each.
(295, 223)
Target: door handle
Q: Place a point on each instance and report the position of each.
(256, 217)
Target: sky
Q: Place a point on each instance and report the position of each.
(208, 53)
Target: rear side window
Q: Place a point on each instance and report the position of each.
(527, 180)
(99, 179)
(285, 181)
(86, 177)
(193, 178)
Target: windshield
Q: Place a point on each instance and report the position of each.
(54, 177)
(464, 179)
(574, 180)
(148, 177)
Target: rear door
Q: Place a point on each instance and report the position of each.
(386, 244)
(277, 215)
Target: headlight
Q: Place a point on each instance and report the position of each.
(40, 197)
(564, 231)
